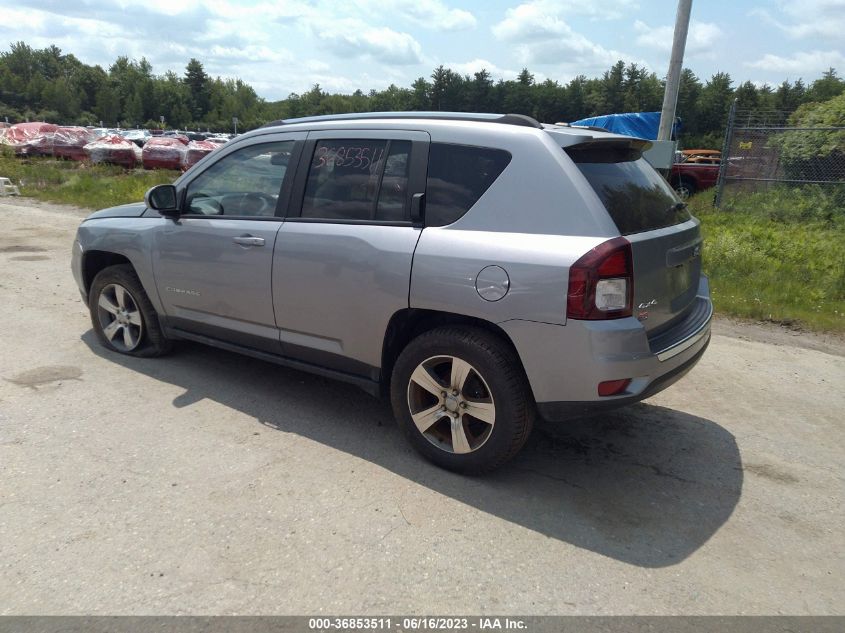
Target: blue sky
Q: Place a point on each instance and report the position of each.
(286, 46)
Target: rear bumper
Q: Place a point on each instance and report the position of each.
(565, 364)
(562, 410)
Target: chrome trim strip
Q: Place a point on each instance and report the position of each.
(692, 339)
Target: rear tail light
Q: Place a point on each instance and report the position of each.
(601, 283)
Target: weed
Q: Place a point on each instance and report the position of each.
(81, 184)
(777, 255)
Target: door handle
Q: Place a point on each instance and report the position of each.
(249, 240)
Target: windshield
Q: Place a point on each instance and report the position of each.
(636, 197)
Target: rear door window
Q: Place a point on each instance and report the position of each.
(636, 197)
(458, 175)
(358, 179)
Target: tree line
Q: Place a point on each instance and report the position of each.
(46, 84)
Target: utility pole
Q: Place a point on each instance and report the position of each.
(673, 77)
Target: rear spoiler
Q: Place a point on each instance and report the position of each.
(608, 150)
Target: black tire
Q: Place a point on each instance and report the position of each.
(685, 188)
(496, 375)
(150, 338)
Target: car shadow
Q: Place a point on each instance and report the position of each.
(645, 485)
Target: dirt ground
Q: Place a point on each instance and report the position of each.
(208, 483)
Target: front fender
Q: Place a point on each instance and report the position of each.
(131, 238)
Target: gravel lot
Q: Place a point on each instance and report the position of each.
(208, 483)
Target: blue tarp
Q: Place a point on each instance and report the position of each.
(639, 124)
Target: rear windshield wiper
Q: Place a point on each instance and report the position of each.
(678, 206)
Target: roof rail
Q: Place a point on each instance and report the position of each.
(507, 119)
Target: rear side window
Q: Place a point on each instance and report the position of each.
(458, 175)
(636, 197)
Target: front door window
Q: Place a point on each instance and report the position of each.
(246, 183)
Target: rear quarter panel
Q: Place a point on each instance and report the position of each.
(447, 263)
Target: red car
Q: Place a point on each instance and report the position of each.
(695, 170)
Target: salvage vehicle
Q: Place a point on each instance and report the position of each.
(695, 170)
(475, 269)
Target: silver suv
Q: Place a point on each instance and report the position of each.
(478, 269)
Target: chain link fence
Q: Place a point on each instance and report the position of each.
(761, 150)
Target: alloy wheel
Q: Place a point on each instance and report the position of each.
(451, 404)
(120, 317)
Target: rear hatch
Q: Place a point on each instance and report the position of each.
(665, 239)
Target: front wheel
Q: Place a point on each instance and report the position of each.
(122, 315)
(461, 397)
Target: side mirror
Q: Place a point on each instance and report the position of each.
(163, 199)
(418, 208)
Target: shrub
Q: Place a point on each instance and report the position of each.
(815, 154)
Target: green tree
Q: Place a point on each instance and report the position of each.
(197, 82)
(421, 95)
(747, 96)
(107, 107)
(391, 99)
(42, 82)
(574, 102)
(60, 95)
(133, 111)
(549, 101)
(827, 87)
(689, 91)
(88, 80)
(788, 97)
(479, 92)
(714, 103)
(611, 92)
(440, 79)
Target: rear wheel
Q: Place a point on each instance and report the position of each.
(684, 187)
(461, 397)
(122, 315)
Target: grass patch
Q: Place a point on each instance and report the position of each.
(777, 255)
(81, 184)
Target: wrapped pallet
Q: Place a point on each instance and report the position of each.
(196, 150)
(30, 139)
(70, 142)
(112, 149)
(164, 153)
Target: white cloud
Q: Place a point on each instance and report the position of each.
(542, 36)
(803, 63)
(808, 19)
(701, 38)
(248, 53)
(605, 10)
(473, 66)
(430, 14)
(355, 38)
(278, 47)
